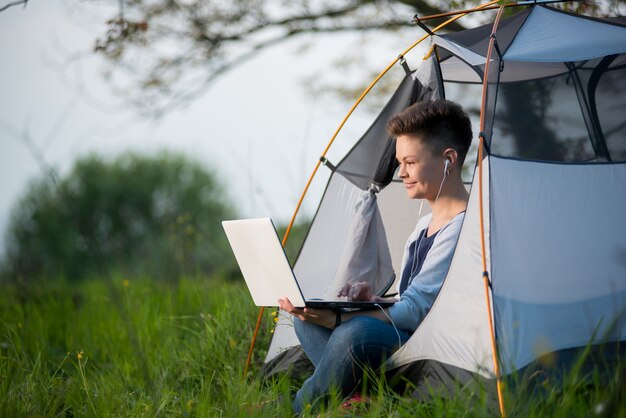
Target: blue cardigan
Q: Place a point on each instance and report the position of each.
(418, 298)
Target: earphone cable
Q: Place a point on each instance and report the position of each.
(392, 324)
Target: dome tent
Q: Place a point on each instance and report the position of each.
(551, 188)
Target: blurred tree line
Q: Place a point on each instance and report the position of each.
(137, 215)
(157, 216)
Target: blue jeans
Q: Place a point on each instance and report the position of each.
(339, 355)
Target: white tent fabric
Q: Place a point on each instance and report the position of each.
(284, 337)
(426, 74)
(558, 239)
(455, 70)
(365, 256)
(466, 55)
(323, 243)
(455, 331)
(328, 240)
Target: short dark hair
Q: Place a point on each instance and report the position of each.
(440, 123)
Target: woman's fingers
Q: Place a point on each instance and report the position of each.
(316, 316)
(286, 305)
(302, 314)
(358, 291)
(345, 290)
(312, 313)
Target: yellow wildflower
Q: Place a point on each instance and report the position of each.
(79, 355)
(125, 283)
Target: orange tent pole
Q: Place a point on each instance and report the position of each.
(360, 99)
(494, 347)
(497, 6)
(332, 139)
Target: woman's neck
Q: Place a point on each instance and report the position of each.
(451, 201)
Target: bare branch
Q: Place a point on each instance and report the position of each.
(14, 3)
(164, 53)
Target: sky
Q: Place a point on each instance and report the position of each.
(258, 127)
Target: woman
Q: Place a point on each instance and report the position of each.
(432, 140)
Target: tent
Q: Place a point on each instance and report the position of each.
(548, 201)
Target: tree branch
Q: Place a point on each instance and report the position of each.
(15, 3)
(163, 49)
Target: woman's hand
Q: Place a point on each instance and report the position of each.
(323, 317)
(358, 291)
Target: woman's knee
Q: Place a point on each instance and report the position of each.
(366, 338)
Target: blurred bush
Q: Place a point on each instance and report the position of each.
(136, 215)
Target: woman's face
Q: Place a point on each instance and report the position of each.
(420, 170)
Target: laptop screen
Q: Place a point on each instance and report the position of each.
(262, 261)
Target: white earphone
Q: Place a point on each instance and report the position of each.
(445, 168)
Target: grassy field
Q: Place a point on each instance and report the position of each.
(139, 348)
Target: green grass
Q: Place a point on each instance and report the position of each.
(147, 349)
(140, 348)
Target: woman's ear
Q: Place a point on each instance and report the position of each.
(451, 157)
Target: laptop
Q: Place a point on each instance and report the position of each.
(267, 271)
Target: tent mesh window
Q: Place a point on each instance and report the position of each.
(553, 120)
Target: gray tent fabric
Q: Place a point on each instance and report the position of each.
(366, 255)
(560, 266)
(556, 91)
(535, 43)
(551, 36)
(424, 380)
(372, 159)
(554, 202)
